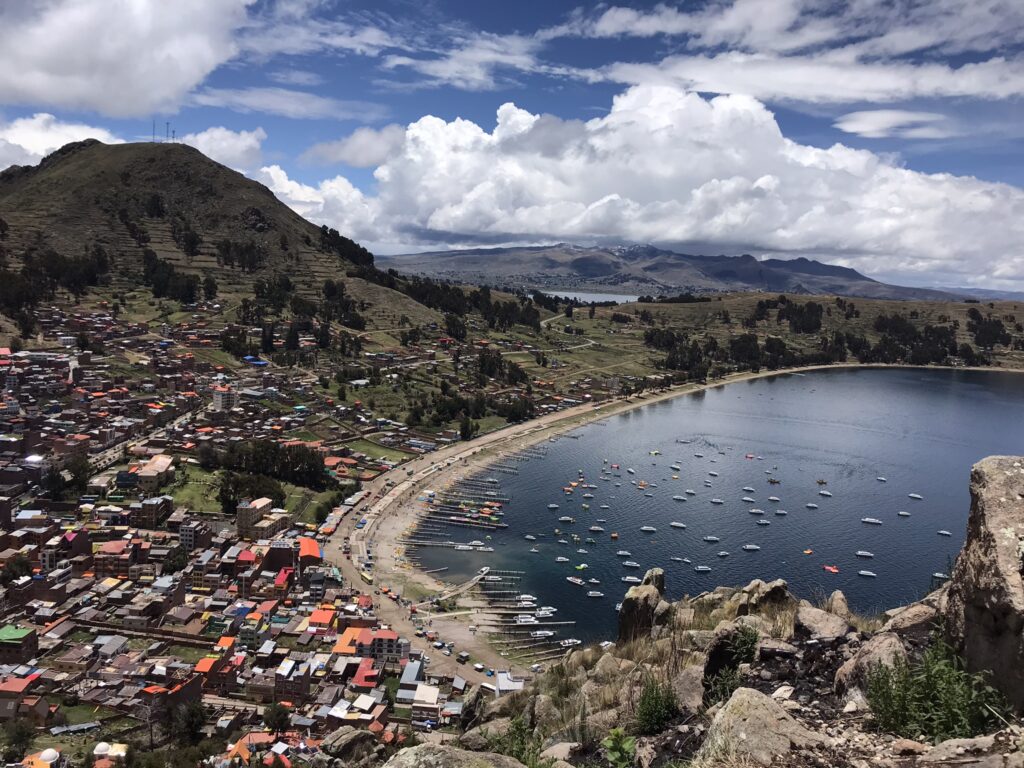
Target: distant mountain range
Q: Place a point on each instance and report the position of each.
(645, 269)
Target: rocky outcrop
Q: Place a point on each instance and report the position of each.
(884, 649)
(985, 607)
(915, 623)
(353, 747)
(443, 756)
(816, 624)
(751, 725)
(481, 737)
(643, 607)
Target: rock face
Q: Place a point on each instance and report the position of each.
(643, 607)
(352, 746)
(817, 624)
(881, 650)
(985, 604)
(443, 756)
(752, 725)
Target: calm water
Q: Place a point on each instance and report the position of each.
(586, 297)
(922, 430)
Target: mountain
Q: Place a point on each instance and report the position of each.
(199, 215)
(647, 269)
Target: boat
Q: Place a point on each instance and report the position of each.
(830, 568)
(748, 499)
(774, 499)
(772, 480)
(756, 511)
(808, 551)
(750, 548)
(614, 535)
(563, 541)
(575, 580)
(530, 537)
(690, 492)
(539, 633)
(569, 643)
(534, 550)
(748, 489)
(678, 498)
(463, 548)
(676, 524)
(604, 506)
(648, 528)
(596, 529)
(676, 559)
(561, 559)
(524, 619)
(869, 574)
(675, 467)
(699, 455)
(945, 533)
(822, 482)
(811, 506)
(582, 567)
(526, 597)
(916, 496)
(631, 471)
(595, 593)
(864, 553)
(618, 606)
(711, 539)
(763, 522)
(632, 579)
(593, 581)
(588, 495)
(723, 553)
(624, 553)
(549, 609)
(601, 520)
(826, 494)
(901, 513)
(552, 506)
(781, 512)
(940, 576)
(630, 564)
(717, 501)
(871, 520)
(566, 519)
(712, 474)
(581, 551)
(701, 568)
(881, 479)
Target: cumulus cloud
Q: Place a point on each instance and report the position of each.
(288, 103)
(236, 149)
(26, 140)
(884, 123)
(363, 148)
(669, 166)
(115, 57)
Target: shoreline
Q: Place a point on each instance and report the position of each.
(394, 510)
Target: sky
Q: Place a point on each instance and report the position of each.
(884, 135)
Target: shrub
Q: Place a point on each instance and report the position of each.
(521, 743)
(743, 645)
(619, 749)
(935, 696)
(657, 706)
(722, 686)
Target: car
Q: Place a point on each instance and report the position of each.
(439, 644)
(446, 652)
(490, 673)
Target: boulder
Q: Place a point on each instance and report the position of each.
(837, 604)
(655, 577)
(563, 750)
(546, 716)
(883, 649)
(763, 595)
(444, 756)
(772, 648)
(985, 604)
(688, 686)
(479, 739)
(908, 747)
(642, 607)
(751, 725)
(915, 623)
(473, 705)
(959, 751)
(816, 624)
(353, 747)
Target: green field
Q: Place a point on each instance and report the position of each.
(377, 451)
(195, 488)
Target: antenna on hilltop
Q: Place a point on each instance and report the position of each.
(167, 130)
(154, 130)
(173, 134)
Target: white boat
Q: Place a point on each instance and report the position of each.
(723, 553)
(581, 551)
(901, 513)
(563, 541)
(648, 528)
(711, 539)
(712, 474)
(945, 533)
(566, 519)
(525, 619)
(624, 553)
(751, 548)
(871, 520)
(748, 499)
(604, 506)
(881, 479)
(748, 489)
(707, 484)
(548, 609)
(596, 529)
(539, 633)
(575, 580)
(676, 559)
(476, 543)
(463, 548)
(588, 495)
(595, 593)
(674, 467)
(552, 506)
(756, 511)
(699, 455)
(526, 604)
(530, 537)
(630, 564)
(593, 581)
(632, 579)
(686, 560)
(701, 568)
(690, 492)
(717, 501)
(811, 506)
(774, 499)
(618, 606)
(678, 498)
(869, 574)
(631, 471)
(781, 512)
(569, 643)
(561, 559)
(676, 524)
(526, 597)
(826, 494)
(917, 496)
(534, 550)
(763, 522)
(864, 553)
(940, 576)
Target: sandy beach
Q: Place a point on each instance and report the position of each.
(392, 512)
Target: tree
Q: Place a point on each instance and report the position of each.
(277, 718)
(175, 561)
(209, 288)
(187, 721)
(455, 327)
(19, 735)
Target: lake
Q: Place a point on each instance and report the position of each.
(597, 298)
(919, 429)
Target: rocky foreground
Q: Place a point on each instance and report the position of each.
(758, 676)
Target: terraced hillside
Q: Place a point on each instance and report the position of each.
(200, 216)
